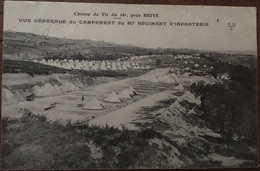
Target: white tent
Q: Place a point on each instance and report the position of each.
(196, 65)
(108, 62)
(77, 66)
(90, 64)
(125, 94)
(124, 67)
(132, 91)
(128, 65)
(103, 66)
(63, 65)
(85, 63)
(119, 68)
(113, 97)
(179, 87)
(86, 68)
(94, 104)
(113, 66)
(108, 66)
(190, 98)
(58, 65)
(187, 69)
(118, 64)
(95, 67)
(70, 65)
(174, 77)
(43, 61)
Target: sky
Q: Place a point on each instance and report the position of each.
(216, 36)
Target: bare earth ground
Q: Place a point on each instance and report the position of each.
(69, 105)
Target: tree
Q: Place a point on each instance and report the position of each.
(231, 107)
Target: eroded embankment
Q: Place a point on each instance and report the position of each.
(22, 87)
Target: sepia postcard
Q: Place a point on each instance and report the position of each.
(123, 86)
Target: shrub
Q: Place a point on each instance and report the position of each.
(150, 134)
(231, 107)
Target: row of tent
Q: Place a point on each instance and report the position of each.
(149, 56)
(184, 57)
(92, 65)
(113, 97)
(141, 57)
(197, 65)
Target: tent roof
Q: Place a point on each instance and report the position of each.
(125, 94)
(94, 104)
(179, 87)
(132, 91)
(113, 97)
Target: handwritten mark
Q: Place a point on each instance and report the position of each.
(231, 25)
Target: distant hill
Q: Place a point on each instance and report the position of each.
(28, 46)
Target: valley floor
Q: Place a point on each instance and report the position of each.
(151, 130)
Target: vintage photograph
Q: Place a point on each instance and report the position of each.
(114, 86)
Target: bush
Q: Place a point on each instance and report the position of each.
(149, 134)
(158, 62)
(231, 107)
(187, 104)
